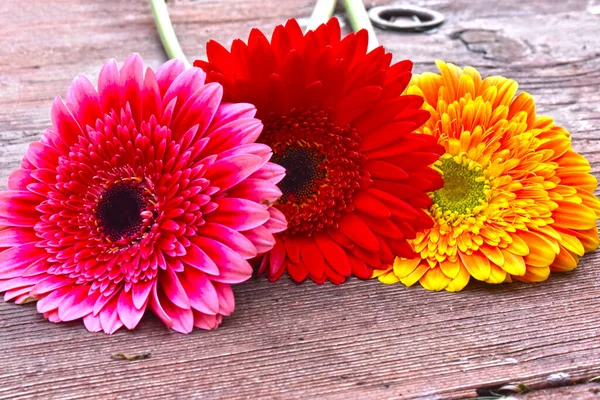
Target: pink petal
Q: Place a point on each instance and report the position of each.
(239, 214)
(14, 236)
(50, 283)
(169, 282)
(131, 82)
(15, 260)
(140, 293)
(233, 134)
(226, 298)
(231, 238)
(232, 267)
(19, 205)
(199, 109)
(128, 313)
(83, 101)
(200, 290)
(108, 87)
(19, 293)
(65, 125)
(17, 283)
(183, 87)
(272, 172)
(229, 171)
(19, 179)
(109, 317)
(166, 74)
(92, 323)
(197, 258)
(103, 301)
(53, 300)
(262, 239)
(277, 222)
(207, 322)
(158, 309)
(229, 112)
(260, 191)
(77, 304)
(183, 319)
(42, 156)
(151, 98)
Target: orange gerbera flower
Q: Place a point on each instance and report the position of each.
(518, 201)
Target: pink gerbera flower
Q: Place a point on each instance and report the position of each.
(148, 193)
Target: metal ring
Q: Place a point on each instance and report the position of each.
(424, 19)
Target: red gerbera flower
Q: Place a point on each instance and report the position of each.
(357, 177)
(147, 193)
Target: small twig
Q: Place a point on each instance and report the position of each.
(123, 356)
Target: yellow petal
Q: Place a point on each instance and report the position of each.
(493, 253)
(403, 267)
(414, 276)
(434, 280)
(571, 243)
(457, 284)
(518, 246)
(388, 278)
(477, 264)
(513, 264)
(498, 275)
(449, 268)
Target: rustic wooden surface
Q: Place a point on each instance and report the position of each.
(359, 340)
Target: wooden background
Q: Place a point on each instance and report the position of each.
(355, 341)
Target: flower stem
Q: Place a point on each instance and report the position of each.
(166, 32)
(360, 20)
(323, 11)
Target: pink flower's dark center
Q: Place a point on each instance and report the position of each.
(323, 167)
(119, 211)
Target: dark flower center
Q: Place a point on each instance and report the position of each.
(323, 167)
(119, 211)
(302, 172)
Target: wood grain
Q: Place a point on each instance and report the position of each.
(356, 341)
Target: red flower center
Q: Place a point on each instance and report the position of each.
(323, 167)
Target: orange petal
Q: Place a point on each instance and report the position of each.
(518, 245)
(449, 268)
(493, 253)
(414, 276)
(573, 216)
(564, 261)
(535, 274)
(477, 264)
(513, 264)
(403, 267)
(571, 243)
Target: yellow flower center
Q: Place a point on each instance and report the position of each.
(465, 190)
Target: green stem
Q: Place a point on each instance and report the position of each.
(360, 20)
(322, 12)
(166, 32)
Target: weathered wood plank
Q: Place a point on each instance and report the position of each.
(358, 340)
